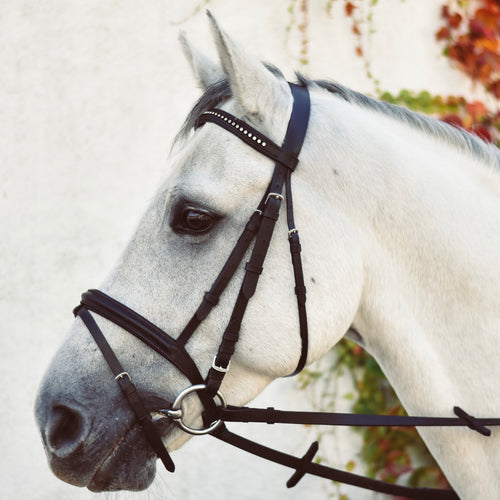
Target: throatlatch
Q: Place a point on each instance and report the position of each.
(260, 228)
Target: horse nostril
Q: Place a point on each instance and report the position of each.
(66, 430)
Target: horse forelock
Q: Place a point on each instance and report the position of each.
(215, 95)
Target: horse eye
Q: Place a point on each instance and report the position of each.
(195, 221)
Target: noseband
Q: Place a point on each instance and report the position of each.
(259, 229)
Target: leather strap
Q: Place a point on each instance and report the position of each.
(249, 135)
(128, 389)
(303, 466)
(290, 150)
(211, 298)
(150, 334)
(143, 329)
(300, 288)
(273, 416)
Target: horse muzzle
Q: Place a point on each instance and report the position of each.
(103, 448)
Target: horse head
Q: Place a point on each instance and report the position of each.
(213, 185)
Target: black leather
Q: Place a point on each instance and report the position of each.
(143, 329)
(286, 159)
(273, 416)
(128, 389)
(303, 466)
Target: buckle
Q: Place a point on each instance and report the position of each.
(277, 196)
(220, 369)
(123, 375)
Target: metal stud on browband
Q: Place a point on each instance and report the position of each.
(237, 126)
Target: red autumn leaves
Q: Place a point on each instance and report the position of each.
(473, 42)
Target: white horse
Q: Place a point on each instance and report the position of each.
(400, 226)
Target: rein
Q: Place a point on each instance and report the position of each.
(260, 229)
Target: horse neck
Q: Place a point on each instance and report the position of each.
(429, 220)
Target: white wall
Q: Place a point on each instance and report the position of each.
(91, 93)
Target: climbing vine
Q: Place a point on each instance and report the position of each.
(362, 25)
(471, 33)
(473, 116)
(300, 19)
(470, 37)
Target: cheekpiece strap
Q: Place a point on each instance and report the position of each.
(286, 158)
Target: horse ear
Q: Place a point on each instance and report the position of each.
(257, 90)
(206, 71)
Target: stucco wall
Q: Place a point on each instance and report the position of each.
(91, 93)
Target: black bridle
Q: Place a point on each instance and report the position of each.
(259, 230)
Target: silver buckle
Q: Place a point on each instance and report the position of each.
(220, 368)
(274, 195)
(123, 375)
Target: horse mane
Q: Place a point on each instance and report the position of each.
(469, 143)
(438, 129)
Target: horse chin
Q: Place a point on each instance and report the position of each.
(130, 465)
